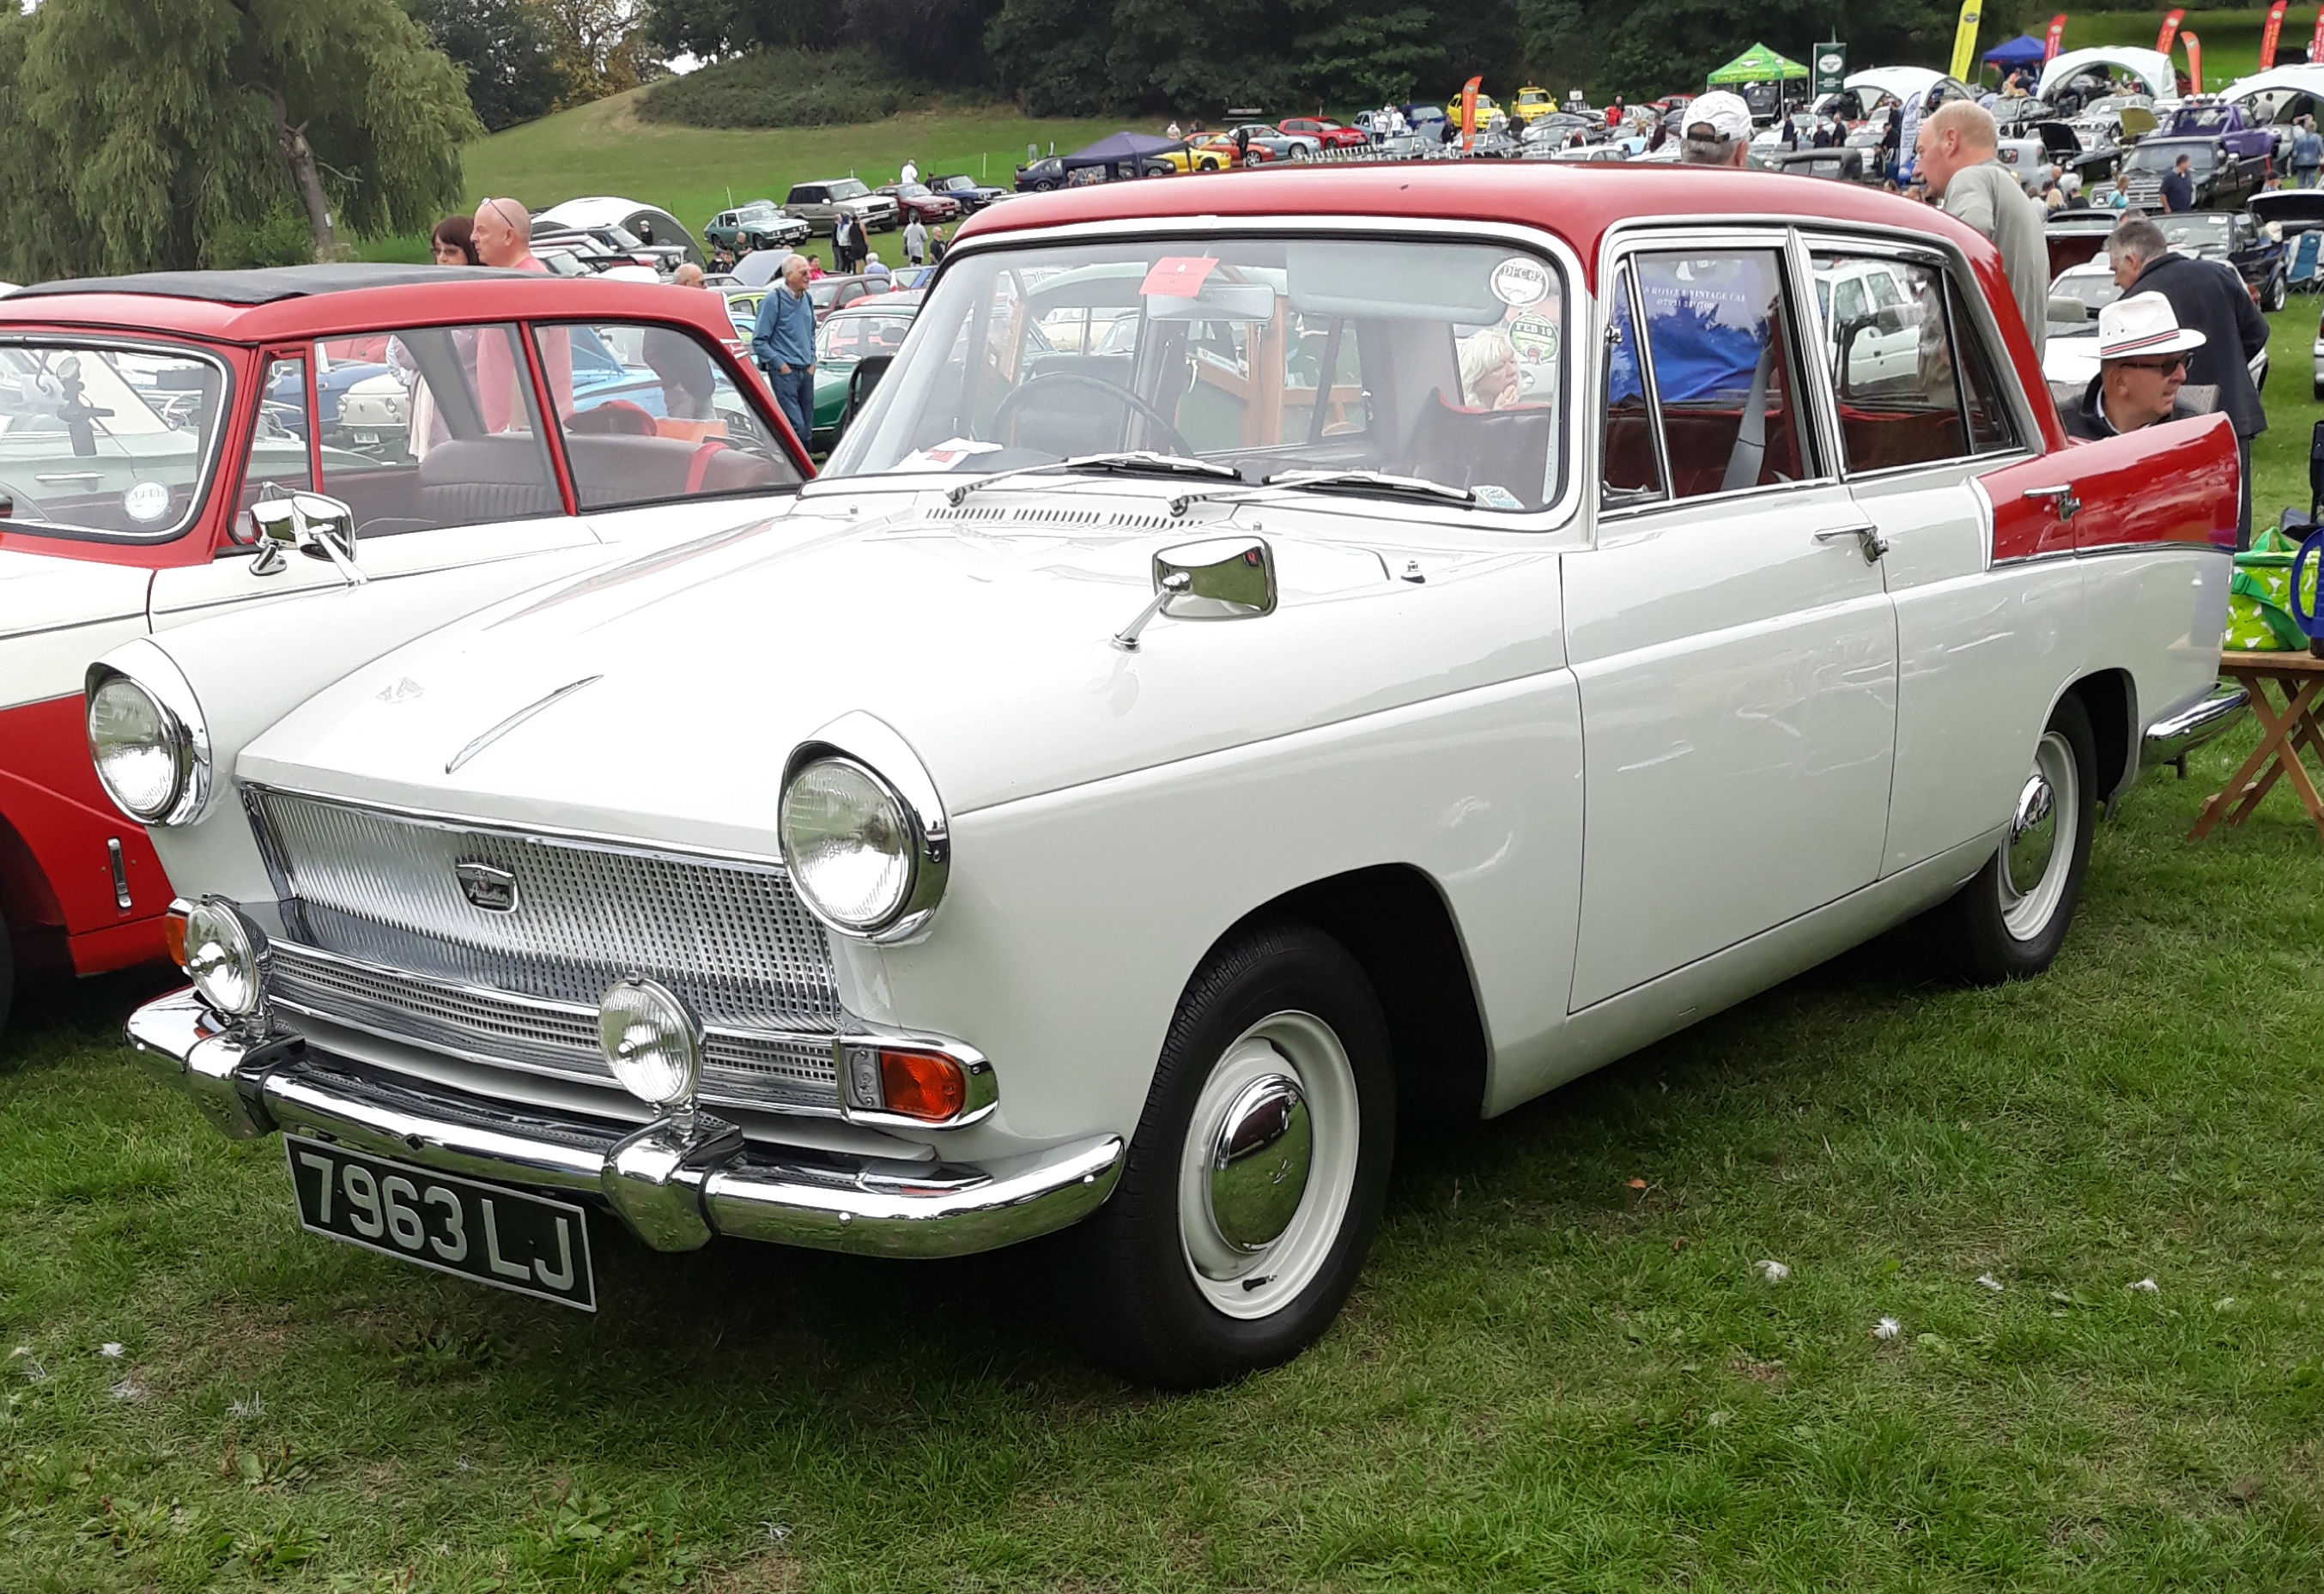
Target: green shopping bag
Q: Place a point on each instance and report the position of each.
(2259, 597)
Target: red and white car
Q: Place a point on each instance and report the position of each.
(1271, 654)
(142, 418)
(1331, 134)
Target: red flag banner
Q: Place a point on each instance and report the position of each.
(2170, 21)
(2270, 34)
(2057, 37)
(2194, 61)
(1468, 111)
(2316, 45)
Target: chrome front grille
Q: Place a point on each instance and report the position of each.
(397, 947)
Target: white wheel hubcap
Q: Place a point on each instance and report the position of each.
(2038, 852)
(1269, 1164)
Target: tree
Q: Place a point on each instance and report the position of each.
(141, 133)
(504, 48)
(599, 47)
(717, 30)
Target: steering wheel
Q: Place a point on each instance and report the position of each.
(1007, 411)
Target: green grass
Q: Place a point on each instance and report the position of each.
(1551, 1378)
(2231, 38)
(605, 148)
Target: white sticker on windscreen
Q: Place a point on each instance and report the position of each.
(1520, 282)
(147, 501)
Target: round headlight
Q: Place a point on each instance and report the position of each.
(848, 844)
(652, 1042)
(223, 949)
(143, 753)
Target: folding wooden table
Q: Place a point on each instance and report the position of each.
(2289, 722)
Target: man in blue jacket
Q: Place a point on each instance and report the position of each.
(783, 341)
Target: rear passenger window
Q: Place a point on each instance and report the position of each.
(1892, 366)
(432, 427)
(1990, 426)
(1718, 344)
(648, 415)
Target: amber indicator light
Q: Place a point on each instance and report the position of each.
(173, 935)
(923, 1084)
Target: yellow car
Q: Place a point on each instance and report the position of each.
(1531, 102)
(1203, 157)
(1485, 109)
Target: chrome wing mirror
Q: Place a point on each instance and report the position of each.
(319, 527)
(1224, 579)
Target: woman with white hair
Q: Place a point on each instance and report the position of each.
(1489, 370)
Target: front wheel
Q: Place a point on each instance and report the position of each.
(2009, 922)
(2278, 293)
(1254, 159)
(1255, 1180)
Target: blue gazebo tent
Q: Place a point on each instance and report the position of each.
(2025, 50)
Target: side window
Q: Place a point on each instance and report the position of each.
(1892, 363)
(432, 427)
(648, 415)
(1634, 472)
(1990, 428)
(278, 445)
(1719, 342)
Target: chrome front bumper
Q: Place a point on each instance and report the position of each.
(2181, 732)
(673, 1197)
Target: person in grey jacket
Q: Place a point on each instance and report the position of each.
(1956, 155)
(2208, 297)
(782, 340)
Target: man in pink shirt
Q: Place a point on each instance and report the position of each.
(504, 238)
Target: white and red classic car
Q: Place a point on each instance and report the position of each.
(142, 418)
(1272, 655)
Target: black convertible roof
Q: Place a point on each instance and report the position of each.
(266, 285)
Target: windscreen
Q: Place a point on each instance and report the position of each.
(1432, 360)
(116, 440)
(2206, 232)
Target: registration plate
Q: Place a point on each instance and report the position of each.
(503, 1237)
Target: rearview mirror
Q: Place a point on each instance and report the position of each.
(319, 527)
(1223, 578)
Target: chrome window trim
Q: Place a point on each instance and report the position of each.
(157, 675)
(210, 465)
(1625, 240)
(875, 748)
(1557, 515)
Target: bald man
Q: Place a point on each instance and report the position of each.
(1957, 153)
(504, 238)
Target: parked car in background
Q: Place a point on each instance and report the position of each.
(1532, 101)
(1278, 144)
(2224, 180)
(970, 194)
(146, 418)
(1210, 707)
(1206, 156)
(1329, 134)
(818, 205)
(2237, 239)
(1486, 108)
(918, 200)
(758, 223)
(862, 328)
(829, 293)
(650, 224)
(2069, 354)
(661, 259)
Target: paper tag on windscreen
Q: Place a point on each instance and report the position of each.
(943, 455)
(1178, 276)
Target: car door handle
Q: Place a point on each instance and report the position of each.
(2069, 503)
(1867, 537)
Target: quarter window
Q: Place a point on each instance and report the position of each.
(1911, 380)
(432, 427)
(648, 415)
(278, 442)
(1718, 342)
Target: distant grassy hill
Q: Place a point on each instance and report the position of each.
(2231, 38)
(606, 148)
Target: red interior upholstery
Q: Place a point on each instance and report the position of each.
(620, 469)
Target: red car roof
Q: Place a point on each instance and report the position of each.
(326, 301)
(1577, 202)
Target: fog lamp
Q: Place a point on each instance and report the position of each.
(652, 1042)
(224, 957)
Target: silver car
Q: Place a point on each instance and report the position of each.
(818, 203)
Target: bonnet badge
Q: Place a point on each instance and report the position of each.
(486, 886)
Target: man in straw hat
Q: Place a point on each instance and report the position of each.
(2142, 371)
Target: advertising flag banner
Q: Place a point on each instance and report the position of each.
(1830, 67)
(1469, 110)
(2316, 45)
(1964, 42)
(2194, 61)
(2057, 37)
(2170, 21)
(2270, 34)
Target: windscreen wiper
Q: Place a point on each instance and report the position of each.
(1141, 462)
(1356, 483)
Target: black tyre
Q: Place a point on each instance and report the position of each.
(1253, 158)
(1254, 1183)
(2278, 291)
(2009, 922)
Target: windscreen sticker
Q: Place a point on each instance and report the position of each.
(1520, 282)
(943, 455)
(146, 502)
(1493, 496)
(1178, 276)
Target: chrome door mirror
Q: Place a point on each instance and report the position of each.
(319, 527)
(1224, 579)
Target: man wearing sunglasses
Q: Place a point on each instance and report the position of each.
(2142, 371)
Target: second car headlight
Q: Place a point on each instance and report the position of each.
(864, 832)
(147, 741)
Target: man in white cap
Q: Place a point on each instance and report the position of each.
(2141, 370)
(1717, 129)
